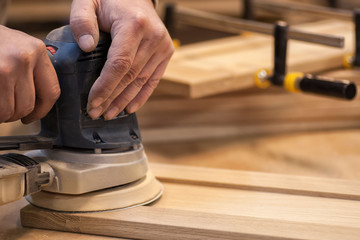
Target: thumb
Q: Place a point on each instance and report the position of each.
(84, 25)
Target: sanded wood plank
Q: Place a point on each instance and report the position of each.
(255, 181)
(190, 209)
(275, 206)
(160, 223)
(229, 64)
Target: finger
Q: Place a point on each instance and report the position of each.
(7, 102)
(142, 68)
(121, 55)
(46, 87)
(147, 89)
(24, 96)
(138, 100)
(119, 102)
(84, 25)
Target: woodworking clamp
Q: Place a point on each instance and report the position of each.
(350, 60)
(298, 81)
(294, 82)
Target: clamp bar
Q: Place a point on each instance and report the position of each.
(280, 49)
(247, 8)
(297, 81)
(229, 24)
(304, 8)
(356, 61)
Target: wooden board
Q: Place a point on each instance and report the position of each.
(40, 11)
(247, 113)
(201, 203)
(229, 64)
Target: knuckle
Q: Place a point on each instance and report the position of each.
(75, 20)
(38, 44)
(28, 55)
(159, 34)
(130, 75)
(120, 65)
(153, 82)
(79, 22)
(140, 81)
(25, 58)
(140, 21)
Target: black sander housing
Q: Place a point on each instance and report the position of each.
(68, 122)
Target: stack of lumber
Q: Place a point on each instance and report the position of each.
(229, 64)
(217, 99)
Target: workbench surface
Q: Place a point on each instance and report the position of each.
(332, 154)
(11, 229)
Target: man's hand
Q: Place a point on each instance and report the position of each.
(28, 81)
(139, 53)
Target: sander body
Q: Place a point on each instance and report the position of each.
(76, 163)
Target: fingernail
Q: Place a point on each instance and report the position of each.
(86, 42)
(95, 112)
(111, 113)
(132, 108)
(96, 102)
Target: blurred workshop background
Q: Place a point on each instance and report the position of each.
(249, 129)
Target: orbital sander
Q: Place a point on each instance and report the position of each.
(75, 163)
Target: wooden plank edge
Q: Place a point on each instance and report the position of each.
(256, 181)
(169, 87)
(159, 223)
(197, 133)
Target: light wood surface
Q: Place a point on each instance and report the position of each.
(191, 210)
(40, 11)
(250, 112)
(11, 229)
(333, 154)
(255, 181)
(318, 153)
(229, 64)
(247, 113)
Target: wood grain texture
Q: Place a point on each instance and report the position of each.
(229, 64)
(189, 210)
(40, 11)
(254, 181)
(158, 223)
(11, 229)
(247, 112)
